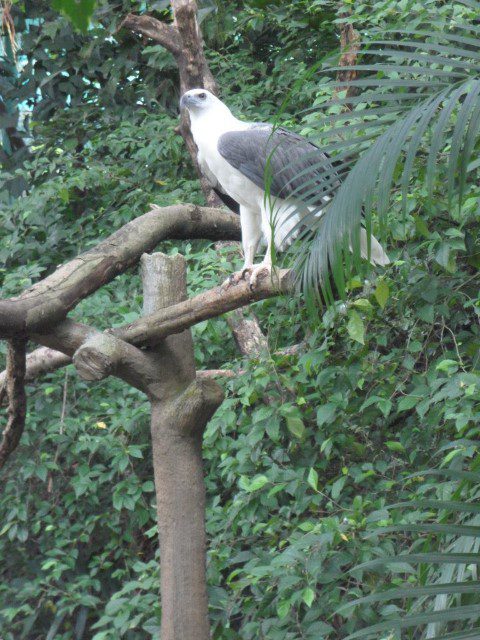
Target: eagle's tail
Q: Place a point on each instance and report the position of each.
(285, 224)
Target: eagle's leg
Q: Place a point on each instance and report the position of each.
(251, 235)
(265, 267)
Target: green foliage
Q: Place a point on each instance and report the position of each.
(79, 11)
(308, 450)
(416, 100)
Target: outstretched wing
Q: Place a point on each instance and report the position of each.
(289, 163)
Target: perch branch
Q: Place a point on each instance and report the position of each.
(48, 301)
(17, 402)
(69, 336)
(212, 303)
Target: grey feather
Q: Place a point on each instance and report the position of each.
(285, 158)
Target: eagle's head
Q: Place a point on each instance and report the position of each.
(199, 100)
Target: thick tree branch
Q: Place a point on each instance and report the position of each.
(69, 336)
(165, 34)
(48, 301)
(17, 402)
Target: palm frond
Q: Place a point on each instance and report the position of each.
(447, 591)
(420, 95)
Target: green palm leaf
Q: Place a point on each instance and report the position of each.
(448, 597)
(420, 94)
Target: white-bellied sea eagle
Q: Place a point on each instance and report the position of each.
(238, 158)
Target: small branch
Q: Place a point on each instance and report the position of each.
(48, 301)
(17, 402)
(292, 350)
(40, 361)
(208, 374)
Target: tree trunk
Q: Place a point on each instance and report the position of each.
(178, 421)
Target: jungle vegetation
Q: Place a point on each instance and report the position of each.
(343, 476)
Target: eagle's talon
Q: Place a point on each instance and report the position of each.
(258, 271)
(235, 278)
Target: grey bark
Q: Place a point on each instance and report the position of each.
(177, 424)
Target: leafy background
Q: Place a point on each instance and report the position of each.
(309, 451)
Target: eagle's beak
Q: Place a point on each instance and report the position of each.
(183, 102)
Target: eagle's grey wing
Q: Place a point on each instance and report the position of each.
(289, 161)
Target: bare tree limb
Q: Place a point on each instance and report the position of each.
(48, 301)
(98, 355)
(194, 69)
(183, 39)
(63, 340)
(246, 332)
(40, 361)
(17, 402)
(208, 374)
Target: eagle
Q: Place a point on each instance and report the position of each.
(266, 174)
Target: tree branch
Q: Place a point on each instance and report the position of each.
(17, 402)
(349, 46)
(165, 34)
(68, 336)
(48, 301)
(43, 360)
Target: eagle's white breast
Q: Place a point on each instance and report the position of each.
(206, 131)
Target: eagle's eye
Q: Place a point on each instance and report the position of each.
(202, 96)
